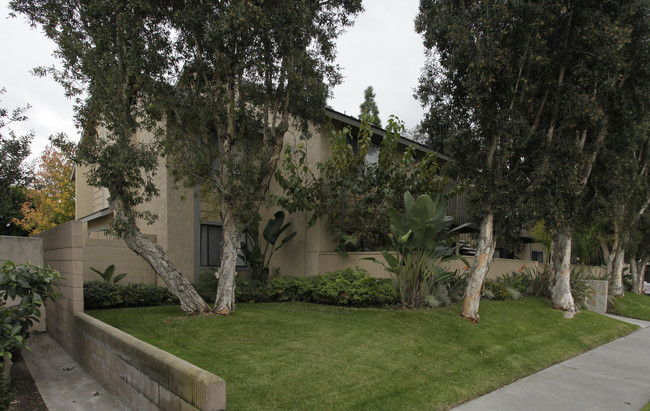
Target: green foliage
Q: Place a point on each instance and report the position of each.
(369, 107)
(419, 236)
(349, 287)
(259, 259)
(355, 195)
(344, 287)
(32, 286)
(6, 393)
(102, 294)
(208, 284)
(107, 275)
(15, 172)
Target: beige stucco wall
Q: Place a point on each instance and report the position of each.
(300, 256)
(330, 261)
(100, 253)
(83, 193)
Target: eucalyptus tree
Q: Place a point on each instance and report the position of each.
(587, 72)
(620, 189)
(250, 70)
(478, 85)
(115, 58)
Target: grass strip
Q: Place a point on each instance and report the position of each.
(632, 306)
(307, 356)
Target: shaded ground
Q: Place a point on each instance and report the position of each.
(27, 395)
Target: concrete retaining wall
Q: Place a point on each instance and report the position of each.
(141, 375)
(598, 298)
(138, 374)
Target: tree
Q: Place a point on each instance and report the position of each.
(619, 192)
(15, 173)
(354, 194)
(587, 67)
(478, 86)
(369, 107)
(250, 69)
(50, 199)
(117, 55)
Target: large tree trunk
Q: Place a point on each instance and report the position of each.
(637, 275)
(480, 267)
(642, 273)
(225, 302)
(561, 296)
(616, 277)
(155, 255)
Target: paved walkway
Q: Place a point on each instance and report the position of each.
(63, 384)
(614, 376)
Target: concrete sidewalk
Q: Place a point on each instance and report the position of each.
(614, 376)
(63, 384)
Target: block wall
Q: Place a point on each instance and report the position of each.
(142, 376)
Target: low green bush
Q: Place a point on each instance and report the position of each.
(31, 286)
(208, 284)
(100, 294)
(349, 287)
(344, 287)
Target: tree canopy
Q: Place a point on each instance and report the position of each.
(221, 80)
(50, 197)
(15, 172)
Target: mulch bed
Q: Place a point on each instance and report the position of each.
(27, 395)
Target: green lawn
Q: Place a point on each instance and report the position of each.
(307, 356)
(633, 306)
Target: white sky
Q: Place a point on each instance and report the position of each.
(381, 50)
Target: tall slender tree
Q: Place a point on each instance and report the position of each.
(369, 107)
(587, 56)
(478, 86)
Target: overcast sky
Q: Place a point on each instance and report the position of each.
(381, 50)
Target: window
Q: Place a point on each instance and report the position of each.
(211, 239)
(372, 156)
(211, 242)
(538, 256)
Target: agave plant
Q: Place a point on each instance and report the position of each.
(420, 239)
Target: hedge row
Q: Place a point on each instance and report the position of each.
(343, 287)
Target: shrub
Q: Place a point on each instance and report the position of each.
(32, 286)
(500, 291)
(6, 393)
(100, 294)
(146, 295)
(342, 287)
(349, 287)
(208, 284)
(288, 289)
(520, 281)
(250, 291)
